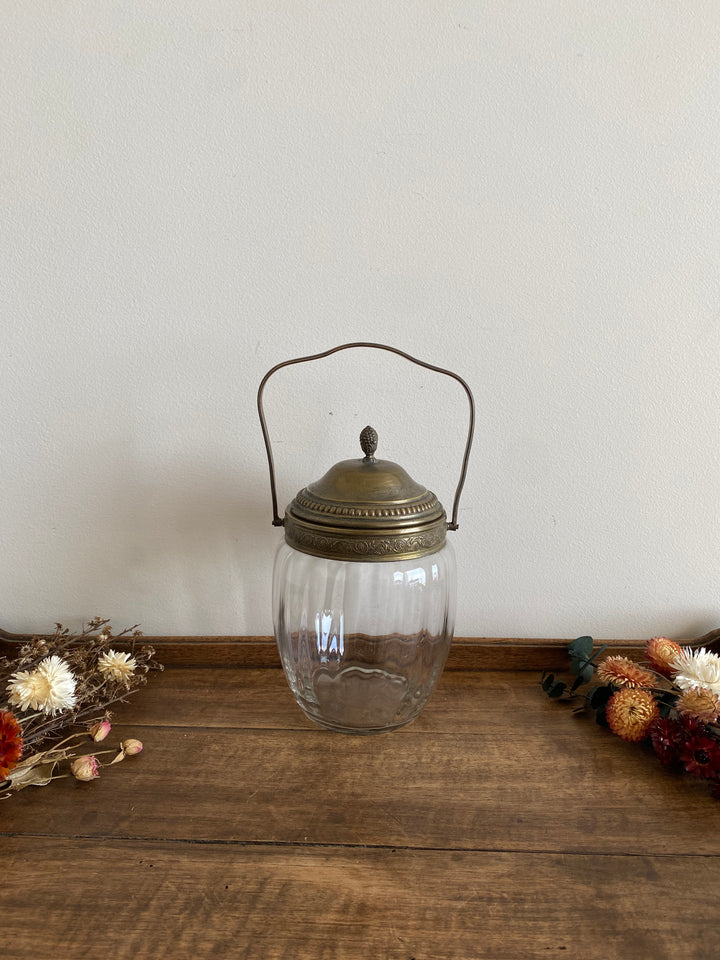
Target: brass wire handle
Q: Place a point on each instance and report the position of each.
(278, 521)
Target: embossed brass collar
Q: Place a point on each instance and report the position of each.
(366, 510)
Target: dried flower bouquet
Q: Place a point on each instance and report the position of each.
(55, 696)
(671, 700)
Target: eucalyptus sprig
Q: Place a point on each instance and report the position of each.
(583, 665)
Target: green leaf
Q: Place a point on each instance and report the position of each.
(581, 648)
(548, 681)
(581, 657)
(557, 690)
(585, 671)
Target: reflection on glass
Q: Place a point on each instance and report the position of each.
(363, 644)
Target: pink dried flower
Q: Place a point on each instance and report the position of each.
(98, 731)
(131, 747)
(85, 768)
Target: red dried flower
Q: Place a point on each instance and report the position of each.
(701, 756)
(668, 738)
(10, 743)
(691, 726)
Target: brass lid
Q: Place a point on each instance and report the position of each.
(366, 510)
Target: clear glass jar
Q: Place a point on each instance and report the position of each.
(363, 644)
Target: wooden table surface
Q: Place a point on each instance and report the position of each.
(497, 825)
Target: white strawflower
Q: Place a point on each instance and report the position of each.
(49, 687)
(116, 665)
(694, 669)
(24, 689)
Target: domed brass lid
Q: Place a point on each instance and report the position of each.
(366, 509)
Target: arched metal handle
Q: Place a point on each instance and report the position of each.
(278, 521)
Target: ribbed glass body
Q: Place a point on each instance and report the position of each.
(363, 644)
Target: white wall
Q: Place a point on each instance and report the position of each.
(524, 192)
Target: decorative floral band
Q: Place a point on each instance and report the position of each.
(384, 546)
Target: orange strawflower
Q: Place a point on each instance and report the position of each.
(623, 672)
(10, 743)
(699, 702)
(630, 712)
(661, 653)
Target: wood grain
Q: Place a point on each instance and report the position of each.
(135, 901)
(518, 773)
(496, 826)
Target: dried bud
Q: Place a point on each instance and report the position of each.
(99, 730)
(85, 768)
(131, 747)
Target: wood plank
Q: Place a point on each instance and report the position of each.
(473, 653)
(261, 699)
(466, 653)
(518, 773)
(135, 901)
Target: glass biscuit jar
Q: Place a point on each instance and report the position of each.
(364, 586)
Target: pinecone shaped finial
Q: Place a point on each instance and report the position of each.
(369, 442)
